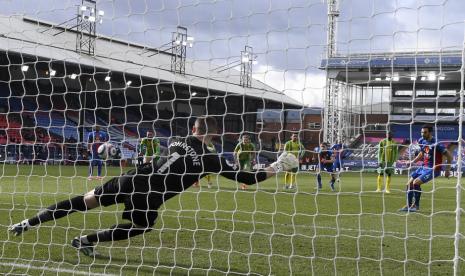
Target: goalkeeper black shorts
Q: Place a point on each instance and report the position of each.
(134, 190)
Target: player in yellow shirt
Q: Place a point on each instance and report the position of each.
(150, 148)
(297, 149)
(244, 154)
(211, 148)
(388, 153)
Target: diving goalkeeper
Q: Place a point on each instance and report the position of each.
(145, 189)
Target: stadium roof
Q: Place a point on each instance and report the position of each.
(381, 68)
(38, 38)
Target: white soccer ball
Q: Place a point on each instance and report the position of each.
(107, 150)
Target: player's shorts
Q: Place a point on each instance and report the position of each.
(245, 165)
(337, 165)
(389, 170)
(326, 167)
(96, 162)
(149, 154)
(134, 190)
(425, 174)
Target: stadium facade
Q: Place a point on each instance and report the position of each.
(422, 88)
(50, 93)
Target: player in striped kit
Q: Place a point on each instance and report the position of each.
(94, 140)
(326, 164)
(431, 153)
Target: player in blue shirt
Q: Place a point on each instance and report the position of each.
(94, 140)
(338, 154)
(431, 153)
(326, 164)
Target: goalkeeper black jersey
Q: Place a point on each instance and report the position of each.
(189, 160)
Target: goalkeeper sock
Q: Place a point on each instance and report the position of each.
(380, 178)
(388, 183)
(417, 195)
(318, 179)
(59, 210)
(116, 233)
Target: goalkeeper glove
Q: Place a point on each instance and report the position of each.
(286, 162)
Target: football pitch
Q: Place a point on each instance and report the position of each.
(223, 230)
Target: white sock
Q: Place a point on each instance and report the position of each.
(26, 222)
(84, 239)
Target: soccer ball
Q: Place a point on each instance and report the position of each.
(107, 150)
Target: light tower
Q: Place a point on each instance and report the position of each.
(86, 25)
(331, 123)
(247, 60)
(179, 43)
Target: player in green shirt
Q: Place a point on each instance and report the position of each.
(244, 154)
(211, 148)
(388, 152)
(297, 149)
(150, 148)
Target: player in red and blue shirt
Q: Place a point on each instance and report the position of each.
(326, 161)
(431, 153)
(337, 149)
(94, 140)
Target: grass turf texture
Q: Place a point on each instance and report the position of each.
(264, 230)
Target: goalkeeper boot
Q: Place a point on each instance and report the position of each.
(18, 228)
(84, 247)
(243, 187)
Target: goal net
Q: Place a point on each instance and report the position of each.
(339, 76)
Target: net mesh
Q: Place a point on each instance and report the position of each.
(130, 67)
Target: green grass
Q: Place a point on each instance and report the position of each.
(223, 230)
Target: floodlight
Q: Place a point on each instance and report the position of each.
(24, 68)
(101, 13)
(128, 83)
(107, 78)
(53, 72)
(73, 76)
(194, 93)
